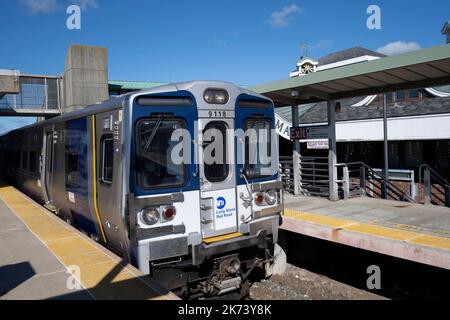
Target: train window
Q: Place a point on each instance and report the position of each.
(258, 150)
(33, 161)
(71, 168)
(216, 168)
(156, 167)
(49, 157)
(107, 160)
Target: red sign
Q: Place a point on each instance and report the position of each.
(298, 134)
(309, 133)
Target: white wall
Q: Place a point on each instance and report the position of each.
(427, 127)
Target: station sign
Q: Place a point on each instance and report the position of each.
(309, 133)
(318, 145)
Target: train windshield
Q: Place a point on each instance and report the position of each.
(258, 148)
(155, 165)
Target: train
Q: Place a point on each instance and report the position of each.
(132, 173)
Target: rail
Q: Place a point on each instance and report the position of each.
(314, 178)
(437, 188)
(287, 173)
(371, 183)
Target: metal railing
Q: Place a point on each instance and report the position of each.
(314, 176)
(369, 182)
(287, 173)
(437, 188)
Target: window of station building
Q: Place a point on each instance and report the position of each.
(389, 97)
(107, 159)
(400, 96)
(71, 168)
(414, 94)
(33, 161)
(394, 155)
(413, 154)
(442, 152)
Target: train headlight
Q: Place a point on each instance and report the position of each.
(149, 216)
(216, 96)
(169, 213)
(271, 198)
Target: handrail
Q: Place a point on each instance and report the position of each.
(430, 197)
(381, 178)
(436, 175)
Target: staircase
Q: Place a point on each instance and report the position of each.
(358, 179)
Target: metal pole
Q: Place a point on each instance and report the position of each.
(296, 154)
(346, 179)
(447, 196)
(332, 159)
(427, 182)
(386, 149)
(362, 181)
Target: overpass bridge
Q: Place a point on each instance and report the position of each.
(25, 95)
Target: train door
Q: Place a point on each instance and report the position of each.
(48, 161)
(109, 176)
(217, 177)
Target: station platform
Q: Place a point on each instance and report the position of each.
(408, 231)
(41, 257)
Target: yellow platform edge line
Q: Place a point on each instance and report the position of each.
(222, 238)
(21, 206)
(411, 237)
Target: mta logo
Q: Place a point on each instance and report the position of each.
(221, 203)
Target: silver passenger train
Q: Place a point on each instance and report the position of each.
(112, 170)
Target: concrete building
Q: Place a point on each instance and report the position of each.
(85, 77)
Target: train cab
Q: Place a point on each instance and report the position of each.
(204, 185)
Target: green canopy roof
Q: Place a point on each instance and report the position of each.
(418, 69)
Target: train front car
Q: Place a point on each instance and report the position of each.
(205, 202)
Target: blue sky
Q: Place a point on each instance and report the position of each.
(246, 42)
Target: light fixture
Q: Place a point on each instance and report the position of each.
(149, 216)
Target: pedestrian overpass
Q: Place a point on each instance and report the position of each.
(29, 95)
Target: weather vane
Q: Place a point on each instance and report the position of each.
(305, 47)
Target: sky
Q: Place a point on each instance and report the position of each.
(247, 42)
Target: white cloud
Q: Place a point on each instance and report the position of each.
(284, 17)
(40, 6)
(48, 6)
(323, 44)
(399, 47)
(85, 4)
(220, 43)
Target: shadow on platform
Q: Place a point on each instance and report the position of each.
(12, 276)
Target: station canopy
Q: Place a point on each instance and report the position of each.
(418, 69)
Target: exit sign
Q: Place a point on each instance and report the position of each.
(309, 133)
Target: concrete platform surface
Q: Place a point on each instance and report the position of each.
(41, 257)
(408, 231)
